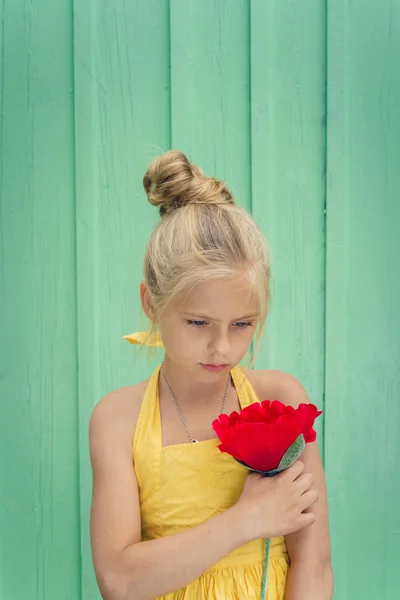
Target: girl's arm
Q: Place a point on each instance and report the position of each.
(310, 572)
(127, 568)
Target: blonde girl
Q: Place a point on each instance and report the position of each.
(172, 517)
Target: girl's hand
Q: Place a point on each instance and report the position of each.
(273, 506)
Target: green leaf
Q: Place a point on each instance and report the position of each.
(292, 453)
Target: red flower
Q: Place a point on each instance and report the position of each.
(261, 433)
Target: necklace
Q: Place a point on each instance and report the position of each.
(178, 408)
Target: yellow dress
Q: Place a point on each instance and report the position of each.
(183, 485)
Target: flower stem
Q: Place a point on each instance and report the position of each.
(265, 571)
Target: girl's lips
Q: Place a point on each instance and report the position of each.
(214, 368)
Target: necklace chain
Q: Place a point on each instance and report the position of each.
(178, 408)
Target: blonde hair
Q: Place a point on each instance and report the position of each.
(202, 234)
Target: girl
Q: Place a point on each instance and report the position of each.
(172, 517)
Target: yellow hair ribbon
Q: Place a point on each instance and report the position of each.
(145, 338)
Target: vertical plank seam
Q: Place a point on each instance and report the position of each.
(75, 246)
(1, 133)
(250, 138)
(325, 218)
(250, 115)
(170, 72)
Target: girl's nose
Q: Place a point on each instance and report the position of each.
(220, 344)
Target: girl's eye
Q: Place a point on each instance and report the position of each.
(238, 325)
(197, 323)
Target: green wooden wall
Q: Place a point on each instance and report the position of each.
(296, 105)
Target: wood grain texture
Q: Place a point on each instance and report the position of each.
(39, 514)
(210, 109)
(295, 105)
(288, 182)
(122, 108)
(362, 318)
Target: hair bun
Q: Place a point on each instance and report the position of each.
(171, 182)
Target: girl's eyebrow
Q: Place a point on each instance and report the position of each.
(211, 318)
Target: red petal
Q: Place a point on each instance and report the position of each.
(233, 417)
(305, 416)
(252, 413)
(276, 409)
(221, 426)
(224, 420)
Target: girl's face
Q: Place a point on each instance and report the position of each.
(209, 331)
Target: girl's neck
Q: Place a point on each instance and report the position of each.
(187, 390)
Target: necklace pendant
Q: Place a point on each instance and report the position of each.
(191, 438)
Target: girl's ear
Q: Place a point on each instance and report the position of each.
(145, 300)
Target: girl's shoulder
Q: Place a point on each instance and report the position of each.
(118, 411)
(277, 385)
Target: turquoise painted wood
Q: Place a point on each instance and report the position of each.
(40, 527)
(362, 349)
(288, 185)
(210, 88)
(122, 120)
(295, 105)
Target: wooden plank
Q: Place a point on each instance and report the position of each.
(363, 325)
(288, 182)
(39, 517)
(122, 120)
(210, 89)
